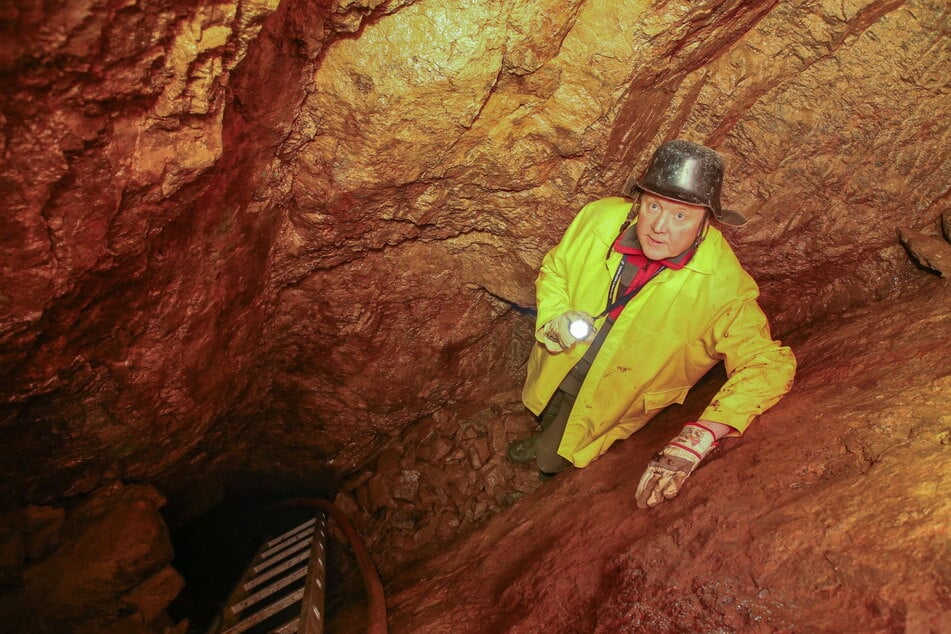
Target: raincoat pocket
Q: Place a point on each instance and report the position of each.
(663, 398)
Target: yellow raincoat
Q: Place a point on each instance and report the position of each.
(670, 334)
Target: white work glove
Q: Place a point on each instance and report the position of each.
(557, 335)
(668, 469)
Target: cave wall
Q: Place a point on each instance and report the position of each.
(137, 139)
(291, 242)
(299, 227)
(472, 135)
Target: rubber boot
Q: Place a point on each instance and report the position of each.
(522, 451)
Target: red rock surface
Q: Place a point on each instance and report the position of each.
(274, 241)
(829, 515)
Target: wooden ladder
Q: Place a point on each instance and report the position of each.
(282, 591)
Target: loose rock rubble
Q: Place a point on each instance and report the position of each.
(442, 477)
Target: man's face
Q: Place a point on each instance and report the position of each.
(666, 228)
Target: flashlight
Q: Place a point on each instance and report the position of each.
(579, 328)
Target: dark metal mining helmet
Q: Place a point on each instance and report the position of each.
(688, 172)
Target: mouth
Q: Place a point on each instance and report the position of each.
(654, 241)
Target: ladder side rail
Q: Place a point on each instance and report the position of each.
(313, 603)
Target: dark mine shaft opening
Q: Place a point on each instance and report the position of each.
(213, 550)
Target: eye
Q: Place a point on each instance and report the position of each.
(653, 207)
(680, 216)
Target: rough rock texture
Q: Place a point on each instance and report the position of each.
(132, 297)
(103, 566)
(443, 477)
(829, 515)
(262, 238)
(930, 252)
(232, 226)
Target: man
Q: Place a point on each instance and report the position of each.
(635, 304)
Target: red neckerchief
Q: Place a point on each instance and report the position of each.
(628, 244)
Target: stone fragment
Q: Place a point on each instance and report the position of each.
(434, 476)
(407, 485)
(495, 478)
(929, 252)
(446, 526)
(425, 535)
(353, 483)
(457, 454)
(431, 497)
(418, 433)
(478, 451)
(946, 225)
(378, 494)
(441, 448)
(479, 510)
(388, 463)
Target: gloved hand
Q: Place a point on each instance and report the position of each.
(556, 333)
(668, 469)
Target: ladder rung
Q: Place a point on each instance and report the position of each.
(291, 532)
(293, 539)
(268, 590)
(282, 555)
(273, 572)
(274, 608)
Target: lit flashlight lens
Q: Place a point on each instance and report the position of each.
(579, 329)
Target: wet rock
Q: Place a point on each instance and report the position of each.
(934, 254)
(478, 452)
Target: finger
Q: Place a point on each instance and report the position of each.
(671, 490)
(646, 488)
(657, 495)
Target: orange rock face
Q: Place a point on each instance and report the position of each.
(268, 240)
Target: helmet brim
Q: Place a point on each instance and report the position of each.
(731, 218)
(726, 216)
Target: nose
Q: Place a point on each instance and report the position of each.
(659, 224)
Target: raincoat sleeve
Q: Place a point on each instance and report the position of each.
(553, 285)
(760, 370)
